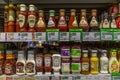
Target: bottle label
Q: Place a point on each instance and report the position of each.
(62, 22)
(76, 52)
(56, 61)
(31, 20)
(30, 67)
(93, 22)
(114, 67)
(11, 16)
(105, 23)
(85, 66)
(94, 66)
(65, 52)
(40, 23)
(21, 20)
(83, 22)
(75, 23)
(1, 69)
(19, 67)
(113, 24)
(47, 61)
(8, 68)
(104, 65)
(65, 67)
(51, 22)
(76, 67)
(39, 61)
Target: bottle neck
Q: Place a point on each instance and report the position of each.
(94, 54)
(20, 56)
(30, 56)
(85, 55)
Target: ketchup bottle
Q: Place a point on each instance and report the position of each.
(41, 26)
(32, 18)
(62, 24)
(52, 21)
(22, 18)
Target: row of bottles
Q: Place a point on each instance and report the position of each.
(63, 62)
(19, 19)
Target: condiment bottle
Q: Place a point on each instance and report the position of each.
(30, 63)
(56, 58)
(75, 66)
(41, 26)
(11, 18)
(94, 20)
(39, 63)
(31, 18)
(51, 21)
(118, 18)
(22, 18)
(83, 21)
(20, 64)
(6, 18)
(9, 63)
(73, 21)
(94, 63)
(106, 23)
(104, 62)
(1, 62)
(113, 23)
(65, 69)
(85, 62)
(113, 62)
(48, 63)
(62, 24)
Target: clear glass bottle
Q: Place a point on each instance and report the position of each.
(106, 23)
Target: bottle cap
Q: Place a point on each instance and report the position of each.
(6, 7)
(73, 10)
(11, 6)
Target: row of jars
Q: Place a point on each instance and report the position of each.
(55, 63)
(21, 20)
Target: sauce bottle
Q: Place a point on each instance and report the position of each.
(41, 26)
(56, 58)
(104, 62)
(94, 62)
(113, 62)
(118, 18)
(39, 63)
(9, 63)
(11, 18)
(31, 18)
(52, 21)
(83, 21)
(30, 63)
(22, 18)
(113, 23)
(1, 63)
(6, 18)
(85, 62)
(20, 64)
(94, 22)
(106, 23)
(48, 63)
(73, 21)
(62, 24)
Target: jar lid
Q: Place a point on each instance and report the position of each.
(94, 51)
(83, 10)
(41, 11)
(51, 11)
(94, 10)
(62, 10)
(85, 51)
(73, 10)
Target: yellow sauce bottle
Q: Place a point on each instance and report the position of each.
(94, 63)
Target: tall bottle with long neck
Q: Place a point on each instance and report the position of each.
(41, 26)
(94, 21)
(113, 23)
(73, 21)
(106, 23)
(83, 21)
(62, 24)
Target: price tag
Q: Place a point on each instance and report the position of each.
(19, 78)
(75, 34)
(91, 36)
(115, 77)
(77, 78)
(55, 78)
(64, 77)
(9, 78)
(45, 78)
(107, 77)
(38, 78)
(89, 77)
(24, 36)
(2, 37)
(117, 36)
(29, 78)
(107, 36)
(64, 36)
(12, 37)
(52, 34)
(40, 36)
(83, 77)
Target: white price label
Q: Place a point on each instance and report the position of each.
(55, 78)
(64, 77)
(40, 36)
(90, 77)
(115, 77)
(12, 37)
(64, 36)
(83, 77)
(77, 78)
(106, 36)
(25, 36)
(38, 78)
(116, 35)
(2, 37)
(45, 78)
(75, 36)
(19, 78)
(53, 36)
(107, 77)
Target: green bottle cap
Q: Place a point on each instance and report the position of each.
(52, 12)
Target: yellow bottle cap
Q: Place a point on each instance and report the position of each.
(6, 7)
(11, 6)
